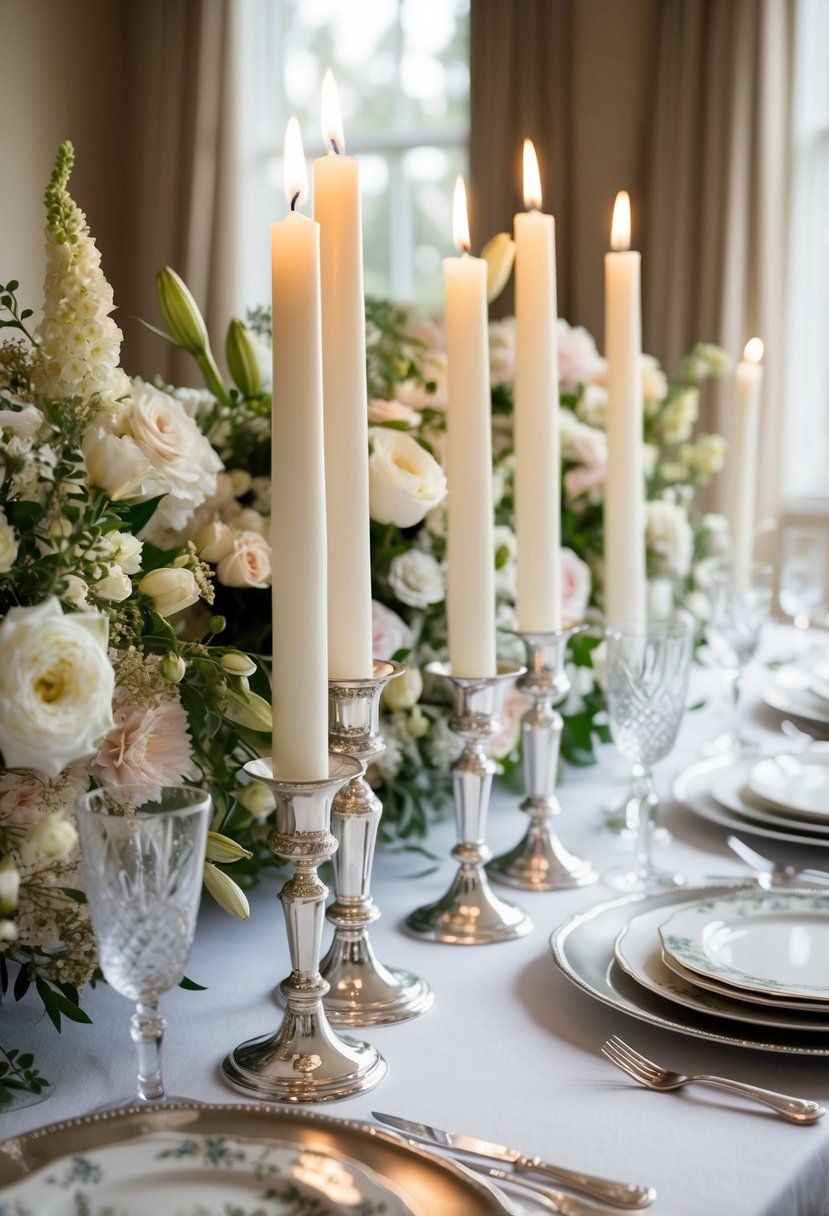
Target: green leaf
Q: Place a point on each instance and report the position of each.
(191, 985)
(78, 897)
(138, 515)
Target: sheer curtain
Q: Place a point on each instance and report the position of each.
(182, 168)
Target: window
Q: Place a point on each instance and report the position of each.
(807, 375)
(402, 70)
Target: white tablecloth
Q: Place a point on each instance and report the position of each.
(510, 1050)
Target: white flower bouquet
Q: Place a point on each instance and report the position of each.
(97, 685)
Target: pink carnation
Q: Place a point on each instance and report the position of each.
(145, 750)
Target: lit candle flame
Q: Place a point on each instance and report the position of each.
(296, 172)
(460, 217)
(753, 352)
(620, 228)
(332, 119)
(532, 176)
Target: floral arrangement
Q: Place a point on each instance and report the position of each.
(98, 686)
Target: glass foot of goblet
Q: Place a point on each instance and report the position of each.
(630, 881)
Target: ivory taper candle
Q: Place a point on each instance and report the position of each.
(470, 575)
(743, 462)
(537, 456)
(624, 502)
(298, 526)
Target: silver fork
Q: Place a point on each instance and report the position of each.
(643, 1070)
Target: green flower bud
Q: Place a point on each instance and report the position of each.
(217, 624)
(181, 312)
(226, 892)
(237, 664)
(173, 668)
(242, 361)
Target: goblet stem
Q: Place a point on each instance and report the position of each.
(147, 1028)
(644, 795)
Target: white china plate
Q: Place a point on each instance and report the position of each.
(239, 1150)
(763, 941)
(582, 948)
(797, 784)
(172, 1174)
(731, 792)
(789, 690)
(781, 1004)
(638, 952)
(819, 685)
(692, 788)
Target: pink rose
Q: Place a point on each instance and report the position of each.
(249, 563)
(380, 411)
(579, 362)
(575, 587)
(504, 743)
(145, 750)
(584, 477)
(390, 632)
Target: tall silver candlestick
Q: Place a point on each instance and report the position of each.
(470, 913)
(540, 861)
(304, 1060)
(363, 992)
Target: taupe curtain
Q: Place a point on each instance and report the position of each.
(716, 196)
(520, 55)
(182, 170)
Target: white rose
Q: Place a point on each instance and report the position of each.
(52, 837)
(125, 551)
(76, 591)
(390, 633)
(214, 542)
(256, 798)
(56, 685)
(575, 586)
(248, 564)
(380, 411)
(115, 464)
(669, 534)
(171, 588)
(404, 480)
(660, 598)
(416, 579)
(404, 691)
(592, 405)
(8, 545)
(580, 443)
(116, 587)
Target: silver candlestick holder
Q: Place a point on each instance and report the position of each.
(540, 862)
(470, 913)
(304, 1060)
(363, 992)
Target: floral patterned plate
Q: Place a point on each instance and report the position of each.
(638, 953)
(765, 941)
(170, 1174)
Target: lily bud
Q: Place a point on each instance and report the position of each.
(237, 664)
(173, 668)
(499, 254)
(248, 709)
(171, 589)
(181, 312)
(224, 850)
(226, 892)
(242, 361)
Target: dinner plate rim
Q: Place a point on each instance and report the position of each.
(25, 1154)
(749, 1011)
(823, 763)
(776, 695)
(721, 970)
(764, 815)
(717, 1032)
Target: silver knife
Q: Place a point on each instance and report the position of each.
(620, 1194)
(777, 872)
(564, 1205)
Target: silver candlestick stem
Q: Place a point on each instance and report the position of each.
(470, 914)
(540, 861)
(304, 1060)
(363, 992)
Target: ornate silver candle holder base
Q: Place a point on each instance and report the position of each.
(304, 1060)
(363, 992)
(470, 913)
(540, 862)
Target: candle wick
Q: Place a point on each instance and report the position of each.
(295, 200)
(334, 145)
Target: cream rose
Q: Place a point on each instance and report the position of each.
(248, 564)
(214, 542)
(56, 685)
(115, 587)
(416, 579)
(171, 588)
(52, 837)
(115, 464)
(8, 545)
(405, 482)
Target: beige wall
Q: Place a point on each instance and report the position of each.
(60, 62)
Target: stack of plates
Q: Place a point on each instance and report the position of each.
(785, 796)
(801, 689)
(746, 967)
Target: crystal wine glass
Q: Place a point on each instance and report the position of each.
(739, 600)
(647, 683)
(143, 866)
(803, 568)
